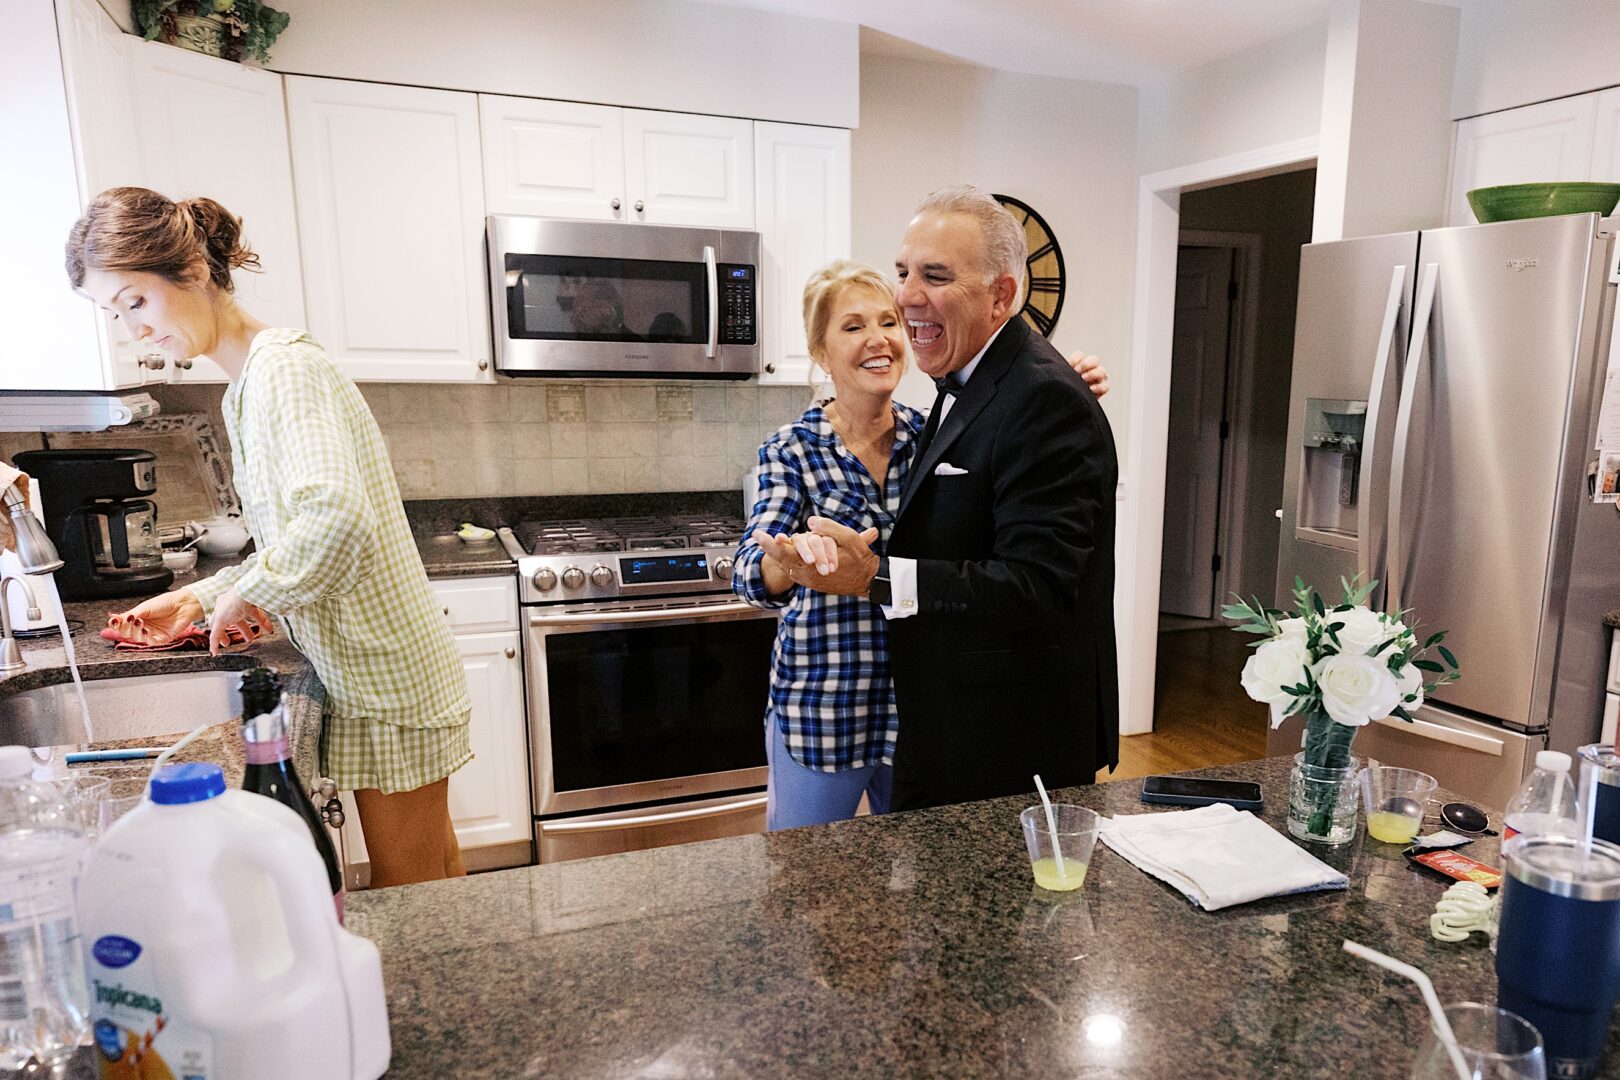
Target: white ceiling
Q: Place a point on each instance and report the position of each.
(1127, 41)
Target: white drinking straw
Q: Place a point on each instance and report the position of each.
(1051, 827)
(1442, 1026)
(1590, 797)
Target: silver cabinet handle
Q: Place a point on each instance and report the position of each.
(511, 653)
(1368, 554)
(1403, 431)
(183, 363)
(654, 615)
(447, 613)
(770, 369)
(151, 361)
(712, 274)
(615, 204)
(483, 365)
(640, 206)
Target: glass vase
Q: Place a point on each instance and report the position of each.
(1322, 801)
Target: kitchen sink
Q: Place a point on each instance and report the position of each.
(137, 707)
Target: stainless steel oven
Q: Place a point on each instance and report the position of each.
(571, 298)
(646, 712)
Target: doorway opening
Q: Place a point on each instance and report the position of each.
(1237, 281)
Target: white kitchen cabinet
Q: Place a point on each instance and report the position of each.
(802, 197)
(489, 796)
(1533, 144)
(390, 221)
(682, 169)
(71, 139)
(1606, 148)
(210, 127)
(553, 158)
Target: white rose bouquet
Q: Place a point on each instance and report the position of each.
(1341, 667)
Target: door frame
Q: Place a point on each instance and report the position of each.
(1141, 526)
(1248, 253)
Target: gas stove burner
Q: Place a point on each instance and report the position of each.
(640, 533)
(575, 545)
(715, 539)
(655, 543)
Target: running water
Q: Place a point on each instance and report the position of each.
(48, 583)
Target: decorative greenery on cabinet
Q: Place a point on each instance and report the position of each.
(228, 28)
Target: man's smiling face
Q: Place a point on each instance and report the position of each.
(951, 299)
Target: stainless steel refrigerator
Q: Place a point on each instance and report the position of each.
(1442, 424)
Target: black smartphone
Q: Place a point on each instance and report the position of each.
(1196, 791)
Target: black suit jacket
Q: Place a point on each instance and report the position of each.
(1008, 668)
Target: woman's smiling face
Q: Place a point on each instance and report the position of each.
(864, 348)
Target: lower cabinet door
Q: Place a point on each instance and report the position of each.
(489, 796)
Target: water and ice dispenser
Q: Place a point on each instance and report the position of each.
(1330, 470)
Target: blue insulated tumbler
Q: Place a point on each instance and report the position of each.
(1602, 758)
(1558, 946)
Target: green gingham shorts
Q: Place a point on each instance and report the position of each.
(358, 754)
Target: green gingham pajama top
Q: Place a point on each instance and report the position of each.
(335, 562)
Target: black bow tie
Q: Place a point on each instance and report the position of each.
(948, 384)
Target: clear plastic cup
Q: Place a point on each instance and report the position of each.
(1076, 835)
(85, 792)
(1395, 800)
(1495, 1043)
(113, 809)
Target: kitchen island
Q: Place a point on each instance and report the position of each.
(909, 945)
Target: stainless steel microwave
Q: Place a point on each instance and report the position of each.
(589, 298)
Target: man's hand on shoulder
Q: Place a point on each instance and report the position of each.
(1091, 370)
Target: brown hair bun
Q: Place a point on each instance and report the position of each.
(136, 229)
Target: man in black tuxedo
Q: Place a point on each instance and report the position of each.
(998, 578)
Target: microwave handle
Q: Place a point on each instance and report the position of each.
(713, 273)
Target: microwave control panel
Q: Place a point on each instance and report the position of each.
(738, 288)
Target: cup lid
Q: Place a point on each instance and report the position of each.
(1561, 866)
(1603, 757)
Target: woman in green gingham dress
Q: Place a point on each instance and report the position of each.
(334, 561)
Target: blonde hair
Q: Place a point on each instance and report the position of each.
(132, 228)
(822, 291)
(1005, 246)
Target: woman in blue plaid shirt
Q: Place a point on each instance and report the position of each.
(831, 721)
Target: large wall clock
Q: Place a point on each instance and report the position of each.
(1044, 301)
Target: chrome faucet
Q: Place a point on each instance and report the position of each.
(10, 655)
(34, 548)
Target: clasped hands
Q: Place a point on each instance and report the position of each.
(166, 616)
(830, 558)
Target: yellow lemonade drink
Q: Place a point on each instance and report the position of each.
(1392, 828)
(1046, 874)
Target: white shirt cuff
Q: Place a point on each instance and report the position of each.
(902, 589)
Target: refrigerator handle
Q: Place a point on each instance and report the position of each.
(1367, 561)
(1403, 431)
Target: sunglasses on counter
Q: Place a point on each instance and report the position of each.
(1463, 818)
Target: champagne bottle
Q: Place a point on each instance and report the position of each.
(270, 769)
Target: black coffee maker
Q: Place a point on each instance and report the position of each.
(95, 513)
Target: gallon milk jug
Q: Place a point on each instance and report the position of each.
(214, 950)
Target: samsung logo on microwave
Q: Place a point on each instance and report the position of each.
(637, 356)
(1517, 265)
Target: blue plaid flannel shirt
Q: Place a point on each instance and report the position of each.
(831, 691)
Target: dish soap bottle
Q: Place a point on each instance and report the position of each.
(270, 770)
(214, 950)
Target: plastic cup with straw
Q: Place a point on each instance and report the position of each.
(1442, 1026)
(1060, 838)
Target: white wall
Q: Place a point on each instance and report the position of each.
(1063, 146)
(1514, 53)
(652, 54)
(1263, 96)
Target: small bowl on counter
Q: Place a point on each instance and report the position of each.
(181, 562)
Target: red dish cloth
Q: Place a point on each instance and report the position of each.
(193, 637)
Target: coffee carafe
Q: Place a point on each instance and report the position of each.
(103, 526)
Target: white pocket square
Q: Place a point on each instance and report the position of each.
(945, 468)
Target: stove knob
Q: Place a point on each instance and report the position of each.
(545, 579)
(722, 568)
(573, 577)
(601, 576)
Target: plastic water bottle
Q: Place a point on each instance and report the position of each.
(1546, 803)
(44, 1002)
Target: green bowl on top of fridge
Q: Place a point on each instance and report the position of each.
(1513, 201)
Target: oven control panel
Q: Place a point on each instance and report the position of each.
(603, 576)
(737, 292)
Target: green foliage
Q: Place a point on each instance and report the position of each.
(251, 26)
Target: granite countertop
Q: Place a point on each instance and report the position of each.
(446, 556)
(908, 945)
(97, 659)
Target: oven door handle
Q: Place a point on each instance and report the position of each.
(713, 275)
(640, 821)
(738, 607)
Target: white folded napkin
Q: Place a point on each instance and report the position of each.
(1218, 856)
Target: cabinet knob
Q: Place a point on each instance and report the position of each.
(151, 361)
(447, 613)
(511, 653)
(615, 204)
(640, 206)
(183, 363)
(770, 369)
(483, 365)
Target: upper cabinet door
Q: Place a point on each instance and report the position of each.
(390, 220)
(802, 186)
(689, 170)
(1606, 152)
(1533, 144)
(553, 158)
(213, 128)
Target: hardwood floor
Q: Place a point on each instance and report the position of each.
(1201, 717)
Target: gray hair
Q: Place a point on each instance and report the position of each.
(1005, 248)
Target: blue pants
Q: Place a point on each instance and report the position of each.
(799, 796)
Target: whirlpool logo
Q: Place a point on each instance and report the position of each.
(114, 951)
(1519, 265)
